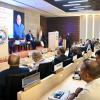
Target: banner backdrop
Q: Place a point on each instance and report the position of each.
(6, 28)
(3, 42)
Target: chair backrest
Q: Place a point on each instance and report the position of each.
(45, 69)
(79, 55)
(14, 84)
(67, 61)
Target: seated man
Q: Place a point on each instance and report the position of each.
(30, 38)
(90, 72)
(13, 61)
(37, 58)
(60, 56)
(97, 54)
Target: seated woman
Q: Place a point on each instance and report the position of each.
(60, 56)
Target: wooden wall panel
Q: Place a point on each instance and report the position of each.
(65, 25)
(62, 24)
(43, 24)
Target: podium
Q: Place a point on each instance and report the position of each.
(53, 38)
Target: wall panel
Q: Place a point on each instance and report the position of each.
(65, 25)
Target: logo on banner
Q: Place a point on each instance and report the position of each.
(3, 36)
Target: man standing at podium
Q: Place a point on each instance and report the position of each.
(68, 43)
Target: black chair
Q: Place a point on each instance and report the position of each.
(79, 55)
(45, 69)
(13, 85)
(67, 61)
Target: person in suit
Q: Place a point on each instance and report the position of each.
(60, 56)
(68, 43)
(44, 40)
(60, 41)
(97, 54)
(14, 68)
(31, 39)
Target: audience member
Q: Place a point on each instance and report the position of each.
(37, 58)
(90, 72)
(97, 54)
(92, 45)
(75, 51)
(97, 40)
(60, 56)
(31, 39)
(13, 62)
(44, 40)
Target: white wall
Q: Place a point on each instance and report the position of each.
(32, 18)
(32, 22)
(89, 26)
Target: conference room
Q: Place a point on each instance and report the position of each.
(49, 49)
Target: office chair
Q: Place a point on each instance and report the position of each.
(45, 69)
(79, 55)
(67, 61)
(14, 84)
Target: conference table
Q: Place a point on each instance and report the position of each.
(59, 81)
(69, 84)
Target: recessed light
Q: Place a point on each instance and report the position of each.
(76, 9)
(67, 5)
(87, 6)
(73, 9)
(58, 0)
(78, 1)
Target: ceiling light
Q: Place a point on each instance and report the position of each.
(76, 9)
(87, 6)
(67, 5)
(78, 1)
(58, 0)
(72, 9)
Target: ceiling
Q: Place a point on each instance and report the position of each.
(48, 8)
(39, 6)
(76, 5)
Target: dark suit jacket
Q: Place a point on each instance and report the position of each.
(4, 74)
(68, 41)
(60, 59)
(11, 71)
(28, 37)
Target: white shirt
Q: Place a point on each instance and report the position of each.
(36, 64)
(91, 91)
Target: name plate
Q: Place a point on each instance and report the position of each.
(58, 66)
(74, 57)
(83, 53)
(30, 80)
